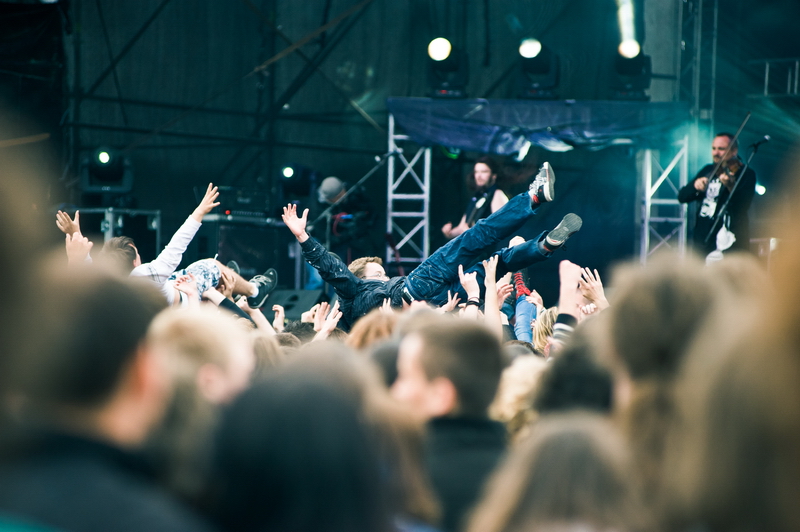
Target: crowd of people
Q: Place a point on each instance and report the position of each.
(136, 398)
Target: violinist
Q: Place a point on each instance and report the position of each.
(712, 191)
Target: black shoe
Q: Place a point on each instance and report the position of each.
(565, 229)
(266, 283)
(544, 184)
(233, 265)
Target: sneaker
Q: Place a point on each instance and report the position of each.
(266, 284)
(543, 185)
(565, 229)
(233, 265)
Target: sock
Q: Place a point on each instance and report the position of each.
(534, 196)
(519, 283)
(253, 289)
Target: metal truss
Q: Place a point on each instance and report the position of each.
(408, 201)
(781, 77)
(663, 217)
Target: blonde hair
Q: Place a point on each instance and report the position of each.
(543, 329)
(358, 265)
(513, 404)
(375, 326)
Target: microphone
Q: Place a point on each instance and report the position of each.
(765, 139)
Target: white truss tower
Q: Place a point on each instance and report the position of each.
(664, 218)
(407, 211)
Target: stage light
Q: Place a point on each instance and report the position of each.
(448, 69)
(530, 48)
(629, 48)
(631, 77)
(538, 73)
(439, 49)
(106, 171)
(298, 179)
(761, 189)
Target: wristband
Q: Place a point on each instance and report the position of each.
(476, 302)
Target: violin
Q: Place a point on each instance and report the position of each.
(730, 167)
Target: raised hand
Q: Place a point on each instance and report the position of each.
(452, 302)
(66, 224)
(296, 224)
(227, 282)
(207, 203)
(329, 322)
(279, 320)
(78, 248)
(503, 291)
(592, 288)
(309, 315)
(535, 299)
(470, 282)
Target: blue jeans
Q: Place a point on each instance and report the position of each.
(431, 280)
(525, 312)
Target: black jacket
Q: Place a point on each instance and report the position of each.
(460, 455)
(356, 296)
(76, 484)
(737, 209)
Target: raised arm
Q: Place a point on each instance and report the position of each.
(296, 224)
(67, 225)
(208, 202)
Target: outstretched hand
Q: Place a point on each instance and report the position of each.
(592, 288)
(470, 282)
(207, 203)
(78, 247)
(296, 224)
(67, 225)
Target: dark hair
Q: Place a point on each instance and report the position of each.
(574, 381)
(493, 165)
(468, 355)
(121, 252)
(93, 323)
(303, 331)
(292, 454)
(384, 356)
(731, 138)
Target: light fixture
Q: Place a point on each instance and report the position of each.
(106, 170)
(631, 77)
(760, 189)
(538, 71)
(298, 179)
(448, 69)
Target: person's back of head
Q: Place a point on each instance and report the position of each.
(375, 326)
(303, 331)
(120, 253)
(573, 470)
(293, 454)
(453, 366)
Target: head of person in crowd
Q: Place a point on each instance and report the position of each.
(376, 325)
(745, 275)
(449, 368)
(573, 473)
(384, 356)
(288, 342)
(576, 379)
(513, 405)
(484, 174)
(518, 348)
(121, 252)
(93, 371)
(543, 331)
(210, 360)
(734, 461)
(331, 190)
(368, 268)
(303, 331)
(268, 353)
(656, 313)
(316, 447)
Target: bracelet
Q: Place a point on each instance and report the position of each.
(476, 302)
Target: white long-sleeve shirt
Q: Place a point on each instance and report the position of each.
(160, 269)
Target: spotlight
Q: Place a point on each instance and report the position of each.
(448, 69)
(761, 189)
(530, 48)
(538, 71)
(439, 49)
(629, 48)
(631, 77)
(106, 171)
(298, 179)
